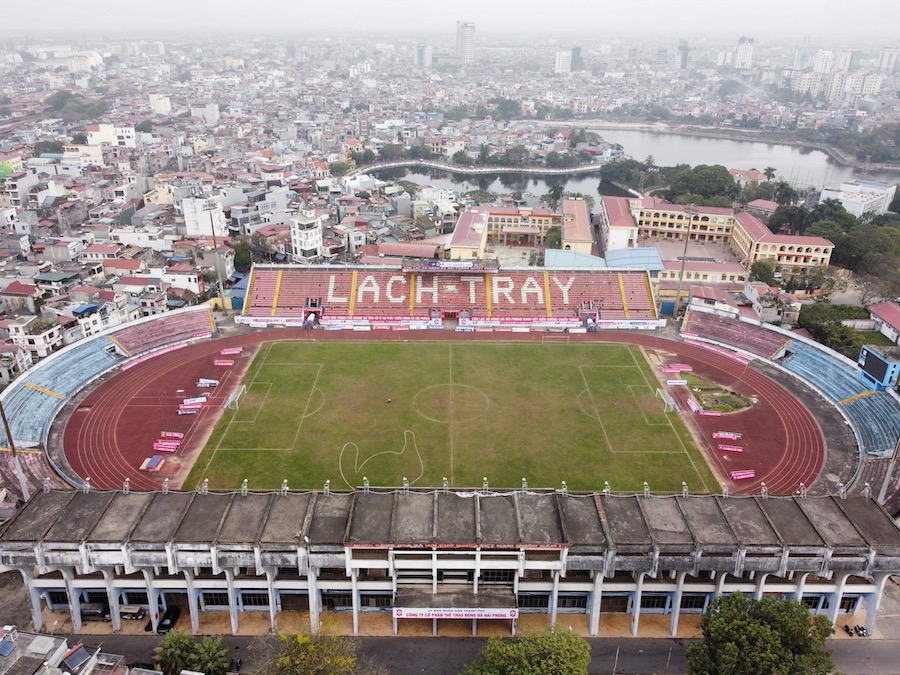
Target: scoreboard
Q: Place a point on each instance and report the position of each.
(878, 371)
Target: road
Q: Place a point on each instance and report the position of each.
(447, 656)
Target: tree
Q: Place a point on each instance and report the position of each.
(769, 636)
(48, 147)
(462, 158)
(553, 239)
(795, 217)
(79, 138)
(559, 652)
(58, 99)
(706, 181)
(769, 173)
(554, 196)
(339, 168)
(211, 657)
(763, 270)
(176, 653)
(785, 194)
(316, 655)
(144, 127)
(242, 256)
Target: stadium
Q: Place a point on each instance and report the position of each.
(448, 442)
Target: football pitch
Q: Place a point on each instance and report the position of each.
(423, 411)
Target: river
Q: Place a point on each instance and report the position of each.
(799, 166)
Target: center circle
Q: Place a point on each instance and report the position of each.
(451, 402)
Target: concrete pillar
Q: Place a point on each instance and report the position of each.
(676, 604)
(273, 604)
(720, 584)
(34, 597)
(873, 601)
(596, 599)
(193, 601)
(801, 586)
(834, 600)
(354, 591)
(554, 597)
(314, 624)
(112, 596)
(636, 605)
(151, 597)
(74, 600)
(759, 585)
(232, 600)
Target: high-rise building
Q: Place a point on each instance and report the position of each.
(424, 56)
(465, 41)
(823, 63)
(577, 61)
(887, 59)
(563, 63)
(743, 56)
(847, 59)
(682, 55)
(662, 56)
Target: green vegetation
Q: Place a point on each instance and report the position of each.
(581, 413)
(75, 106)
(559, 652)
(772, 636)
(242, 256)
(823, 321)
(47, 148)
(303, 654)
(179, 651)
(712, 396)
(339, 168)
(763, 270)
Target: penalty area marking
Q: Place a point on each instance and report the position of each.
(409, 439)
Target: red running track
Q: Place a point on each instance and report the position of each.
(112, 432)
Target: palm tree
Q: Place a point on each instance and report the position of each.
(785, 194)
(649, 162)
(769, 173)
(176, 652)
(211, 657)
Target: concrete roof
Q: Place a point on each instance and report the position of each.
(455, 518)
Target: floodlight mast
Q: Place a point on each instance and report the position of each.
(23, 484)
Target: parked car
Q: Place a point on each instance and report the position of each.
(168, 621)
(95, 611)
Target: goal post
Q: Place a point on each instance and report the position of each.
(234, 398)
(668, 403)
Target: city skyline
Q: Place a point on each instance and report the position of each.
(691, 18)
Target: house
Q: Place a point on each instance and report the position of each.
(887, 318)
(20, 297)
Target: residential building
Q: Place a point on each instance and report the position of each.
(861, 197)
(465, 42)
(204, 217)
(424, 57)
(743, 55)
(306, 236)
(109, 134)
(160, 104)
(40, 336)
(563, 63)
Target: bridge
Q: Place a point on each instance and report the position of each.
(474, 170)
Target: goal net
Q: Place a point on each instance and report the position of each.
(668, 403)
(234, 398)
(555, 339)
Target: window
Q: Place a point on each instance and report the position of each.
(534, 600)
(848, 603)
(255, 599)
(571, 601)
(337, 600)
(57, 597)
(693, 601)
(497, 576)
(215, 599)
(375, 600)
(96, 596)
(654, 600)
(136, 598)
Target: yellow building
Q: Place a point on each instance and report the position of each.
(752, 241)
(657, 218)
(576, 227)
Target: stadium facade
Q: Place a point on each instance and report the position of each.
(445, 553)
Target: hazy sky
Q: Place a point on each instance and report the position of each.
(679, 18)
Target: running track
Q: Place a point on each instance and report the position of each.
(112, 431)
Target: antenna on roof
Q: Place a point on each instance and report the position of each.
(166, 486)
(646, 489)
(684, 489)
(126, 486)
(284, 488)
(244, 488)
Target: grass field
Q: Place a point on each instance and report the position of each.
(547, 412)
